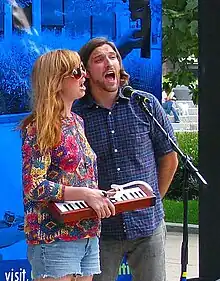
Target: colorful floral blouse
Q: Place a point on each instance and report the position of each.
(71, 163)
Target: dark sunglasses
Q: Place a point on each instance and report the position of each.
(79, 72)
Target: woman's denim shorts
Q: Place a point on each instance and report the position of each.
(58, 259)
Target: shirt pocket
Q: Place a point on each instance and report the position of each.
(138, 140)
(139, 132)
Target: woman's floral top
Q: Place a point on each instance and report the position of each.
(71, 163)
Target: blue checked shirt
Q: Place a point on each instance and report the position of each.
(128, 145)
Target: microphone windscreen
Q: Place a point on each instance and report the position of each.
(127, 91)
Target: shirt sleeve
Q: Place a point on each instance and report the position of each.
(162, 144)
(164, 96)
(36, 186)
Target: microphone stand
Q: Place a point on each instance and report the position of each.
(189, 169)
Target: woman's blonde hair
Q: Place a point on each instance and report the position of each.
(47, 75)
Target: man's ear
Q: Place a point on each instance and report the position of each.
(87, 74)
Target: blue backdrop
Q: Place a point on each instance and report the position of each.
(29, 28)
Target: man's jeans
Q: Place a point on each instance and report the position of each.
(168, 107)
(145, 257)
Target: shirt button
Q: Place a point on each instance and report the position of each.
(118, 169)
(110, 113)
(112, 131)
(124, 226)
(116, 150)
(97, 106)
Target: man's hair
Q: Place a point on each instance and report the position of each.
(167, 87)
(86, 51)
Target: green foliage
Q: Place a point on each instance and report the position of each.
(193, 86)
(188, 143)
(180, 41)
(174, 211)
(180, 31)
(180, 77)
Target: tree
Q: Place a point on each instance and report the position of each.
(180, 39)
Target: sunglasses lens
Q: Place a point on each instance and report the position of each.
(77, 73)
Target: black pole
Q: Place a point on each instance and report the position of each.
(209, 138)
(184, 247)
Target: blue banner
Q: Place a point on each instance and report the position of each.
(29, 28)
(15, 270)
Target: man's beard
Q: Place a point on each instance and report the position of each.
(106, 88)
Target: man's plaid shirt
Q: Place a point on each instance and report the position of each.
(128, 145)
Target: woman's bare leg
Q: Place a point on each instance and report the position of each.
(67, 278)
(82, 278)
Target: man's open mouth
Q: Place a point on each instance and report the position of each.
(110, 76)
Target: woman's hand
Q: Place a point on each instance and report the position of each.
(99, 201)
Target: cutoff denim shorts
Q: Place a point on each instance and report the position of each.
(58, 259)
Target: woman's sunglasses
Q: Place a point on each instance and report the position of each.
(79, 72)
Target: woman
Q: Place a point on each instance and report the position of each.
(58, 165)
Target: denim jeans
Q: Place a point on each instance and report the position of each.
(58, 259)
(168, 107)
(145, 257)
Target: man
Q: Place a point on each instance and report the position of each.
(129, 147)
(168, 99)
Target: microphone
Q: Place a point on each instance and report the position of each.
(128, 91)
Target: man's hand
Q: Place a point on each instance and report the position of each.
(129, 41)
